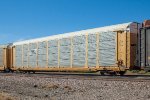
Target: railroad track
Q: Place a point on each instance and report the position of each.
(133, 78)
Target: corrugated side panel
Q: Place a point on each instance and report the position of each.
(148, 47)
(92, 50)
(32, 54)
(107, 51)
(42, 50)
(53, 53)
(25, 55)
(142, 48)
(18, 56)
(65, 52)
(79, 49)
(1, 57)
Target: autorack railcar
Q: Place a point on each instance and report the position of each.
(114, 48)
(110, 48)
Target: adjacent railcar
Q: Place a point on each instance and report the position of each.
(3, 57)
(110, 48)
(144, 46)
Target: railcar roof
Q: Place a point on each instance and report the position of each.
(3, 46)
(117, 27)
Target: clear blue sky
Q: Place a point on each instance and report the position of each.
(27, 19)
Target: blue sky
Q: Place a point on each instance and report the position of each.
(27, 19)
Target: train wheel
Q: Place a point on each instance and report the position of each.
(33, 72)
(7, 70)
(28, 72)
(113, 73)
(122, 73)
(102, 73)
(12, 71)
(24, 72)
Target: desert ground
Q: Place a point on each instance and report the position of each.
(25, 87)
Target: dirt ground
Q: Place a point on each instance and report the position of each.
(37, 88)
(5, 96)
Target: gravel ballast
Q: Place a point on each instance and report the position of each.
(36, 88)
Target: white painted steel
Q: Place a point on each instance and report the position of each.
(125, 26)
